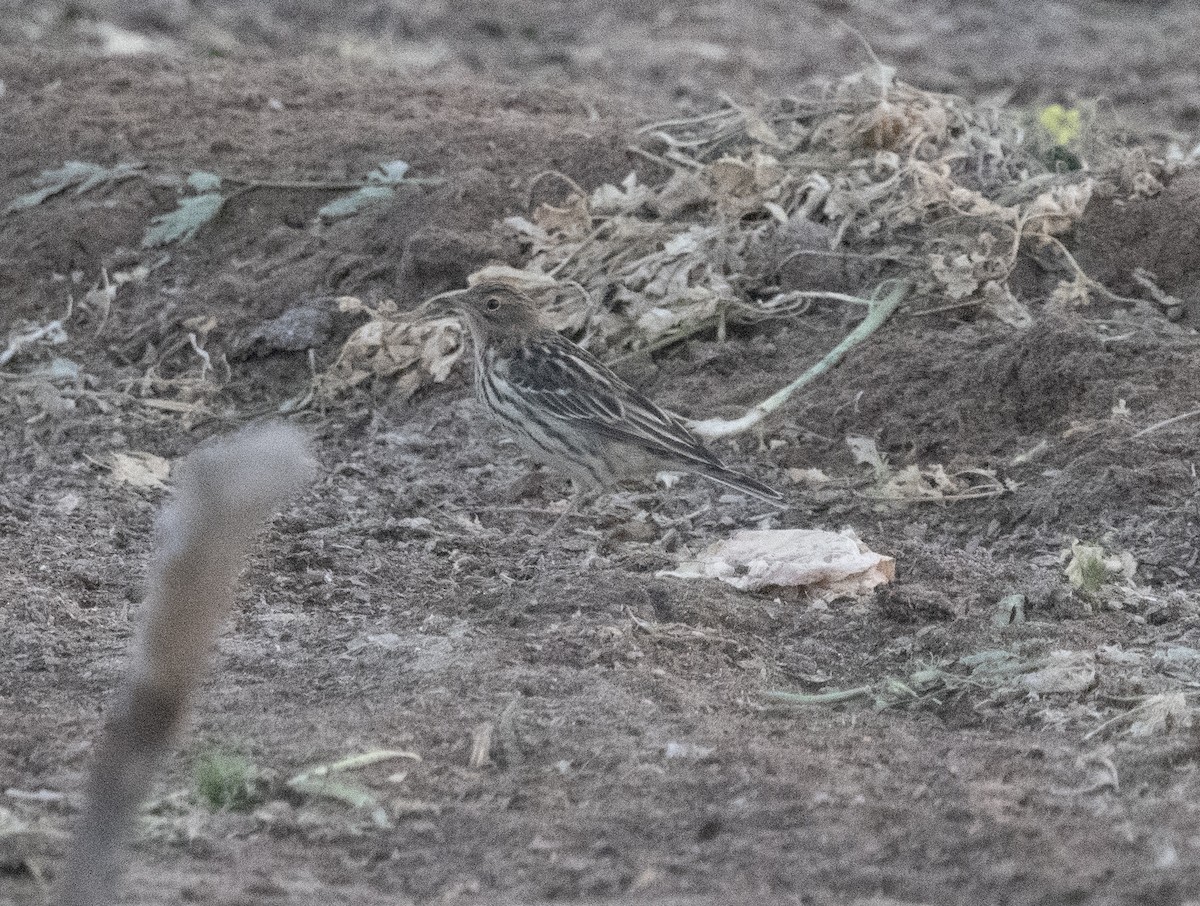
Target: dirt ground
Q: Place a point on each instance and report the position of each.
(409, 600)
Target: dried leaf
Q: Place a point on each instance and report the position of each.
(394, 345)
(571, 221)
(1057, 210)
(139, 469)
(1072, 293)
(609, 199)
(758, 129)
(813, 478)
(866, 453)
(319, 782)
(1062, 673)
(1006, 308)
(527, 281)
(1160, 714)
(526, 227)
(829, 564)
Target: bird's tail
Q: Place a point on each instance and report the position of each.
(745, 484)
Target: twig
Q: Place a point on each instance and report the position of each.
(575, 187)
(332, 186)
(653, 158)
(705, 323)
(1081, 274)
(982, 494)
(842, 253)
(970, 303)
(687, 121)
(883, 87)
(672, 160)
(835, 297)
(1167, 421)
(481, 746)
(1169, 304)
(1145, 279)
(665, 341)
(584, 243)
(20, 341)
(880, 310)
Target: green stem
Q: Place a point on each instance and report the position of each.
(820, 698)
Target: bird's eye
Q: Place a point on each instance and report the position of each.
(492, 303)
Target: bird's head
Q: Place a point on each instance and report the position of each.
(492, 310)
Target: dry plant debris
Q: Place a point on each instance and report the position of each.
(942, 192)
(321, 782)
(203, 195)
(406, 347)
(928, 484)
(1068, 687)
(889, 181)
(139, 469)
(824, 564)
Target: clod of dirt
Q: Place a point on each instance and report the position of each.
(1118, 235)
(304, 326)
(436, 259)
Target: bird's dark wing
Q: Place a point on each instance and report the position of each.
(567, 382)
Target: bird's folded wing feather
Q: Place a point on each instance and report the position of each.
(570, 384)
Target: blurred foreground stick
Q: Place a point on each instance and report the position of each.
(224, 494)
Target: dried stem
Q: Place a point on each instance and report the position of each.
(878, 312)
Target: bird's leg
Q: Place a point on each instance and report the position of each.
(572, 505)
(579, 494)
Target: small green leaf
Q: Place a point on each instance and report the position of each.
(225, 781)
(32, 199)
(355, 202)
(112, 175)
(1059, 159)
(83, 175)
(203, 181)
(1009, 610)
(185, 221)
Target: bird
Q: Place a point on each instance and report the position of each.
(571, 412)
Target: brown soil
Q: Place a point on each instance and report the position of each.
(408, 598)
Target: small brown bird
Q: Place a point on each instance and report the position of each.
(570, 411)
